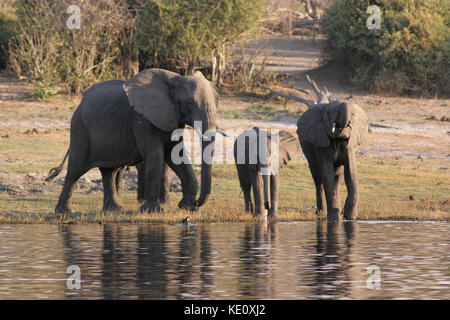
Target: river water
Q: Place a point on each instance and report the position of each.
(300, 260)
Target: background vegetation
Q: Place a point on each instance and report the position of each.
(408, 55)
(117, 38)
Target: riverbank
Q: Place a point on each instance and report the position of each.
(391, 189)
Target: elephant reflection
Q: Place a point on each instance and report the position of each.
(333, 262)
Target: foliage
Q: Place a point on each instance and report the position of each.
(177, 34)
(7, 31)
(409, 54)
(45, 49)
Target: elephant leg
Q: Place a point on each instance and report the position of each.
(246, 189)
(164, 192)
(140, 167)
(257, 187)
(274, 185)
(150, 143)
(75, 169)
(110, 201)
(185, 172)
(118, 180)
(328, 178)
(337, 181)
(318, 183)
(153, 170)
(351, 181)
(246, 186)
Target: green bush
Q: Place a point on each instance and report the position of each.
(409, 54)
(177, 34)
(7, 31)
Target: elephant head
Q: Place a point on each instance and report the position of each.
(169, 100)
(335, 120)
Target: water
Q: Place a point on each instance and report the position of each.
(302, 260)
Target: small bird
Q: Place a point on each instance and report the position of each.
(185, 220)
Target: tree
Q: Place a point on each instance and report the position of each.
(176, 35)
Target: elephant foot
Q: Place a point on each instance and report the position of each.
(350, 214)
(333, 215)
(273, 213)
(112, 207)
(63, 209)
(188, 205)
(155, 207)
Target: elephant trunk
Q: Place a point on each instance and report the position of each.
(207, 157)
(344, 115)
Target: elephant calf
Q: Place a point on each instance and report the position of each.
(258, 158)
(329, 135)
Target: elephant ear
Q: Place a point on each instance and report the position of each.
(310, 127)
(288, 147)
(360, 126)
(149, 94)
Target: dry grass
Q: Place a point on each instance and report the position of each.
(386, 188)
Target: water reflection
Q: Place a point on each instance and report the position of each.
(333, 258)
(304, 260)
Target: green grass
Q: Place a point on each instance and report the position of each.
(228, 114)
(262, 111)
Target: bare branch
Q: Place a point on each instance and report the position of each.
(322, 96)
(308, 102)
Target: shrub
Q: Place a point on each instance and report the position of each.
(7, 31)
(409, 54)
(177, 34)
(46, 50)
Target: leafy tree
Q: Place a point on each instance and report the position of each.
(409, 54)
(177, 34)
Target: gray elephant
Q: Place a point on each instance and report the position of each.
(329, 134)
(258, 165)
(164, 191)
(122, 123)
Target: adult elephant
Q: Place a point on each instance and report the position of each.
(122, 123)
(259, 156)
(329, 134)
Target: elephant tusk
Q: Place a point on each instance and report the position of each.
(333, 128)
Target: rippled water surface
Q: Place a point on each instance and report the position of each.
(303, 260)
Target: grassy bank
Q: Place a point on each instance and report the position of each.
(391, 189)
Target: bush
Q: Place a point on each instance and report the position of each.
(7, 31)
(176, 35)
(408, 55)
(46, 50)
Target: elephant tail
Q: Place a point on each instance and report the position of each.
(53, 173)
